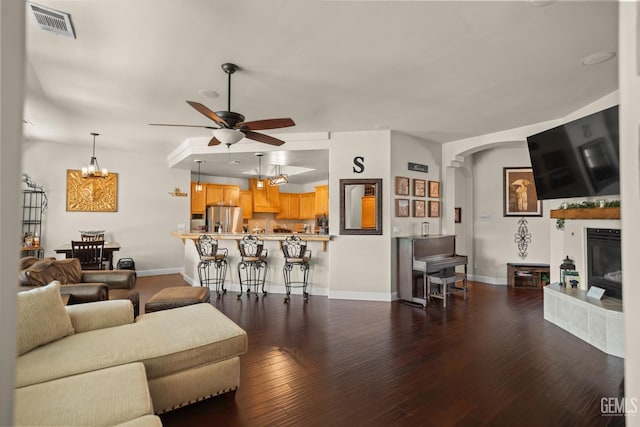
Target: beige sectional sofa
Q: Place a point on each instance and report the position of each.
(180, 356)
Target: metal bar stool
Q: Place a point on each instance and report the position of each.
(296, 254)
(211, 256)
(252, 268)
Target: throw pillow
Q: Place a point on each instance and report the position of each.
(65, 271)
(42, 317)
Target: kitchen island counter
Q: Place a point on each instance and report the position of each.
(319, 273)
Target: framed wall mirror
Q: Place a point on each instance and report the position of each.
(361, 206)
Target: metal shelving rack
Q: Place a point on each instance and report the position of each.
(33, 205)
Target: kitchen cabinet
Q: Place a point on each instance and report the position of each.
(231, 195)
(266, 199)
(198, 199)
(289, 206)
(322, 200)
(246, 203)
(214, 194)
(222, 194)
(307, 205)
(369, 212)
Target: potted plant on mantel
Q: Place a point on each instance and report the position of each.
(601, 209)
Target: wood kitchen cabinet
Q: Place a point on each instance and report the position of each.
(289, 206)
(246, 203)
(214, 194)
(307, 205)
(231, 195)
(198, 199)
(266, 199)
(322, 200)
(369, 212)
(222, 194)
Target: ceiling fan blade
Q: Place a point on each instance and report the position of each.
(267, 124)
(207, 112)
(188, 126)
(214, 141)
(260, 137)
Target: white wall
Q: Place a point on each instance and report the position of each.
(146, 213)
(629, 78)
(494, 234)
(405, 149)
(359, 265)
(11, 101)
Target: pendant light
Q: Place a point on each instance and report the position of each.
(198, 185)
(279, 178)
(260, 183)
(93, 170)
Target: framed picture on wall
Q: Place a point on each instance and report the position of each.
(419, 209)
(434, 208)
(434, 189)
(402, 207)
(519, 193)
(402, 186)
(457, 215)
(419, 187)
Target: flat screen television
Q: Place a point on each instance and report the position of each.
(577, 159)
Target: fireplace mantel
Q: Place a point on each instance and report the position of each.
(586, 213)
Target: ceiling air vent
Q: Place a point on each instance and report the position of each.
(52, 20)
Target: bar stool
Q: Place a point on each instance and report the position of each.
(252, 268)
(446, 282)
(296, 254)
(211, 256)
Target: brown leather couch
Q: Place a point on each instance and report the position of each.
(79, 286)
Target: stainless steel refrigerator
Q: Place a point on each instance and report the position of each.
(224, 219)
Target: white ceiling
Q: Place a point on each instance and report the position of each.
(441, 71)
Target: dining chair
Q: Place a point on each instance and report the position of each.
(90, 254)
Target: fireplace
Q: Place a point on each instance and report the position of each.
(604, 263)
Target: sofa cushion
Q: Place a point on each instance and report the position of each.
(103, 397)
(42, 317)
(166, 342)
(66, 271)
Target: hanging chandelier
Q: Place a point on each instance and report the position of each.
(279, 178)
(94, 170)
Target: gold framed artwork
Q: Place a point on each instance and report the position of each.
(519, 196)
(419, 209)
(402, 186)
(457, 215)
(91, 194)
(419, 187)
(434, 208)
(402, 207)
(434, 189)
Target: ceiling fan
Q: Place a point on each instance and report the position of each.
(231, 126)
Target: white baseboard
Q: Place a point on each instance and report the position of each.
(362, 296)
(490, 280)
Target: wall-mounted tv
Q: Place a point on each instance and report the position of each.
(577, 159)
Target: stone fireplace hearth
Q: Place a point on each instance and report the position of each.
(598, 322)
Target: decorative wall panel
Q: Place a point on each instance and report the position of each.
(91, 194)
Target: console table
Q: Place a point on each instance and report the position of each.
(526, 275)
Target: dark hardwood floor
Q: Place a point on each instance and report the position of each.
(490, 361)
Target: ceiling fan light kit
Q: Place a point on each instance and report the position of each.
(232, 127)
(94, 170)
(228, 136)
